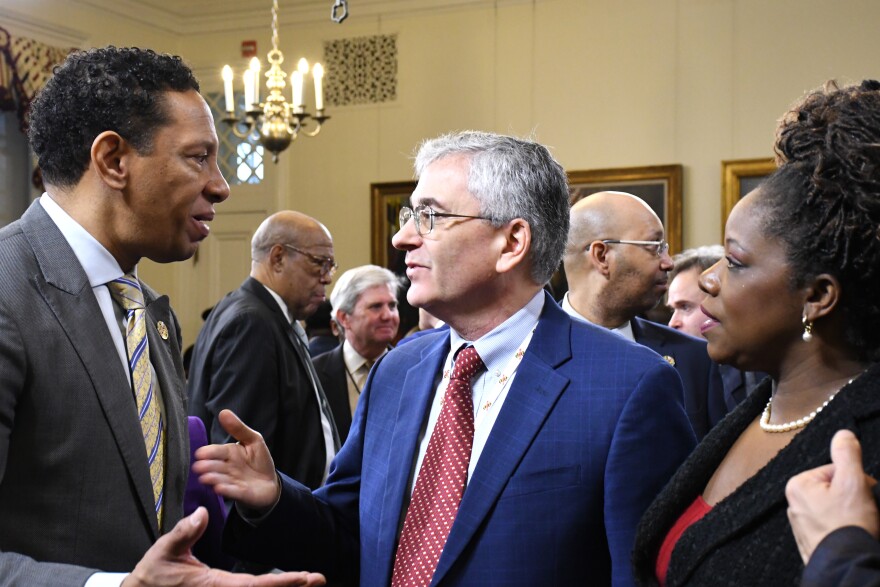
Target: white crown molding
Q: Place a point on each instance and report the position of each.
(218, 17)
(22, 25)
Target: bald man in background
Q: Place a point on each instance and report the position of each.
(616, 262)
(251, 355)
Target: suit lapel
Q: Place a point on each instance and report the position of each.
(412, 411)
(166, 358)
(65, 288)
(534, 392)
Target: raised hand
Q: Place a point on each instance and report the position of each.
(170, 562)
(832, 496)
(242, 471)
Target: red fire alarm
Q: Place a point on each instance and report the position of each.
(248, 49)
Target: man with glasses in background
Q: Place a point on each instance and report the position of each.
(616, 264)
(504, 450)
(251, 355)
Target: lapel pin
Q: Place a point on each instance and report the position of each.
(163, 330)
(669, 359)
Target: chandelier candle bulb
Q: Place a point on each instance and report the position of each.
(255, 67)
(303, 68)
(296, 81)
(318, 74)
(227, 88)
(248, 89)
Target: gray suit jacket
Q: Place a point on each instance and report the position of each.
(74, 479)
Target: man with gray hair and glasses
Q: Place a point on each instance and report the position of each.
(251, 355)
(512, 448)
(364, 303)
(616, 264)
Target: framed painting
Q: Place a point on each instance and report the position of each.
(385, 202)
(739, 177)
(658, 185)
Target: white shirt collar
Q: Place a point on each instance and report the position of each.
(625, 330)
(498, 345)
(353, 359)
(279, 301)
(100, 266)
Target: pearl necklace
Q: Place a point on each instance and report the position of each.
(766, 426)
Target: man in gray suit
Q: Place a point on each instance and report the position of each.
(93, 435)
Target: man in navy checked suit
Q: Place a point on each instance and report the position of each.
(576, 429)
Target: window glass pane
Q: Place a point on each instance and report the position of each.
(240, 161)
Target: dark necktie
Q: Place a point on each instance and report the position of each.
(303, 352)
(441, 481)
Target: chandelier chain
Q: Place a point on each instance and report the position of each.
(275, 24)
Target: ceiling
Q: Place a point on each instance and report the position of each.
(197, 8)
(205, 16)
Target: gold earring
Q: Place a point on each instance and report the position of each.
(808, 329)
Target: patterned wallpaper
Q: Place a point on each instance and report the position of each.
(361, 70)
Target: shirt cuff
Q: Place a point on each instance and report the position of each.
(106, 580)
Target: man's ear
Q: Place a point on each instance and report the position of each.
(517, 242)
(823, 295)
(276, 256)
(342, 319)
(111, 159)
(598, 254)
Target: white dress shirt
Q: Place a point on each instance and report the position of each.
(625, 330)
(496, 348)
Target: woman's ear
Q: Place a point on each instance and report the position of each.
(110, 159)
(823, 295)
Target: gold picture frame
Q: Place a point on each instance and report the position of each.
(739, 177)
(385, 202)
(659, 185)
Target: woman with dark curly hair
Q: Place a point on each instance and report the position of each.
(793, 297)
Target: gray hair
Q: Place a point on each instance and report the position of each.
(354, 282)
(512, 178)
(700, 258)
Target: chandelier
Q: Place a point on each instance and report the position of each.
(275, 122)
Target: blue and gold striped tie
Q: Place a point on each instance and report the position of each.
(127, 292)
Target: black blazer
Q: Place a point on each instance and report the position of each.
(700, 377)
(746, 538)
(244, 360)
(331, 371)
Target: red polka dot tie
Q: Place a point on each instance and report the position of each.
(441, 481)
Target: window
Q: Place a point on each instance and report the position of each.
(240, 161)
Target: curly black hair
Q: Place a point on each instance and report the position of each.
(823, 203)
(116, 89)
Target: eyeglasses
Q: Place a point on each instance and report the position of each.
(327, 264)
(425, 218)
(659, 248)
